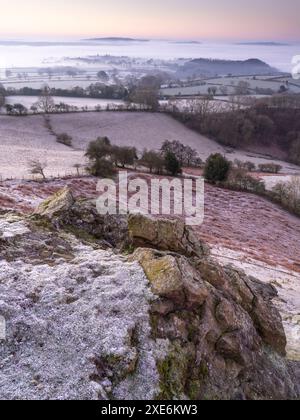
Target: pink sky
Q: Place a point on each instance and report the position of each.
(189, 19)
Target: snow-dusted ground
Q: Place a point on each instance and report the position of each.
(87, 103)
(85, 312)
(26, 138)
(272, 181)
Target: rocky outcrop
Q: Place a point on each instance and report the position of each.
(166, 322)
(226, 337)
(82, 219)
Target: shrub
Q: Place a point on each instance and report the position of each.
(124, 156)
(185, 154)
(102, 168)
(16, 109)
(247, 166)
(238, 179)
(271, 168)
(288, 194)
(172, 164)
(100, 154)
(100, 148)
(154, 161)
(65, 139)
(250, 166)
(217, 168)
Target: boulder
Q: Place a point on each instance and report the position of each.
(228, 318)
(165, 234)
(60, 202)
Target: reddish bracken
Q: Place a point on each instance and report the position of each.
(235, 220)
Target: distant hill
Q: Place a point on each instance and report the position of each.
(264, 44)
(187, 42)
(116, 39)
(210, 68)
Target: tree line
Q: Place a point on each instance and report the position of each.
(274, 123)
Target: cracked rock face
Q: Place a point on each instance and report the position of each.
(167, 322)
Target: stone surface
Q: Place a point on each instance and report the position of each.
(58, 203)
(165, 234)
(223, 322)
(76, 330)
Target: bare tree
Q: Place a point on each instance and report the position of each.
(46, 103)
(37, 168)
(77, 166)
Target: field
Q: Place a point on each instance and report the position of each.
(87, 103)
(231, 83)
(26, 138)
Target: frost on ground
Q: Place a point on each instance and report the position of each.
(70, 324)
(27, 138)
(287, 284)
(10, 228)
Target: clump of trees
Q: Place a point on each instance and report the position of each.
(103, 76)
(288, 194)
(124, 156)
(239, 179)
(154, 161)
(246, 166)
(271, 168)
(146, 93)
(184, 154)
(18, 110)
(220, 171)
(217, 168)
(273, 123)
(105, 157)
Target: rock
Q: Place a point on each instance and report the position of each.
(165, 234)
(165, 275)
(162, 272)
(269, 324)
(58, 203)
(82, 219)
(237, 330)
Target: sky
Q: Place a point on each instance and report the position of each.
(264, 20)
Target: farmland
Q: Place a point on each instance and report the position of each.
(26, 138)
(86, 103)
(256, 85)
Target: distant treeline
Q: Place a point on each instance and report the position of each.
(96, 91)
(275, 124)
